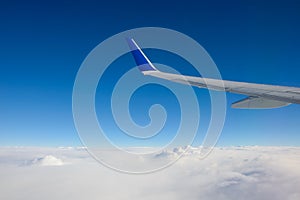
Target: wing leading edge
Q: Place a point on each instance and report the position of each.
(260, 96)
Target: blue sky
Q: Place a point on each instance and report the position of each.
(44, 43)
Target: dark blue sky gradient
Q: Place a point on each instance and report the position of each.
(43, 44)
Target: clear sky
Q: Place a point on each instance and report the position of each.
(43, 44)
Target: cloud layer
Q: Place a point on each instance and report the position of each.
(227, 173)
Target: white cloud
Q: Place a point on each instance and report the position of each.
(48, 160)
(227, 173)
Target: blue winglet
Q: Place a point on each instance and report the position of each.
(140, 58)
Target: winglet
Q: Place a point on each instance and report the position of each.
(140, 58)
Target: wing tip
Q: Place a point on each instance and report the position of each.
(143, 63)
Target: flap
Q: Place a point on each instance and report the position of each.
(258, 103)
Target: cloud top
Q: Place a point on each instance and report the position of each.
(48, 160)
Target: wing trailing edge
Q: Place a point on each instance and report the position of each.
(258, 103)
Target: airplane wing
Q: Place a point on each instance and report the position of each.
(258, 95)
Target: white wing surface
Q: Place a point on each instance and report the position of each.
(259, 95)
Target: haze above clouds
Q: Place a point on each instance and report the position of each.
(227, 173)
